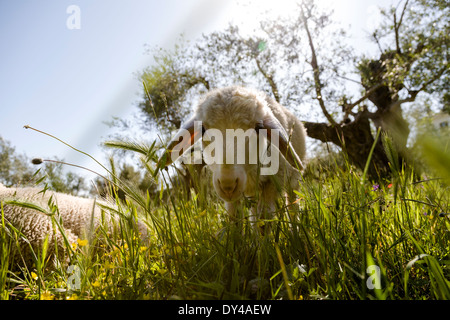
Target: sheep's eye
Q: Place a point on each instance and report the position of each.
(259, 125)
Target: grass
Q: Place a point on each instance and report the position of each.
(345, 238)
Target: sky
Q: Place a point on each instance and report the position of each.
(69, 66)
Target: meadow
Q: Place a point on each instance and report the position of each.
(346, 237)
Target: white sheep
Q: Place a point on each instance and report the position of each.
(77, 216)
(224, 111)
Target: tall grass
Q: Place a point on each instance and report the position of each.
(324, 246)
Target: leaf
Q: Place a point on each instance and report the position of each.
(369, 158)
(24, 204)
(416, 258)
(391, 153)
(146, 150)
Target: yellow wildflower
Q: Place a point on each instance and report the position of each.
(161, 271)
(47, 296)
(82, 243)
(143, 249)
(34, 275)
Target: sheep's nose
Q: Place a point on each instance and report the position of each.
(228, 185)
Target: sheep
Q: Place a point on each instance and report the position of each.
(228, 110)
(26, 208)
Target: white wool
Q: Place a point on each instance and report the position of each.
(74, 213)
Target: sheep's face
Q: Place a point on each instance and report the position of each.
(235, 125)
(229, 181)
(228, 153)
(230, 119)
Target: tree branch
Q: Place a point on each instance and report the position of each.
(269, 78)
(375, 37)
(413, 93)
(398, 25)
(348, 79)
(364, 97)
(349, 107)
(316, 70)
(436, 76)
(324, 132)
(403, 13)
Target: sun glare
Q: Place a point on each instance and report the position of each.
(279, 8)
(248, 14)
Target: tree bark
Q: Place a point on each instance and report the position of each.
(356, 139)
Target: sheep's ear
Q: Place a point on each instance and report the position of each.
(188, 133)
(271, 123)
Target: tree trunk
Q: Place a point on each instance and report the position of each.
(356, 139)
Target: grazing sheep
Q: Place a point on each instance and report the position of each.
(243, 113)
(28, 209)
